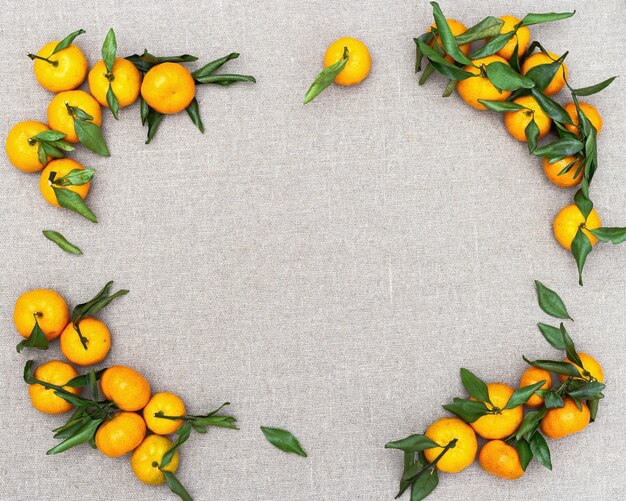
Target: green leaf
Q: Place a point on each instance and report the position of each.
(80, 114)
(583, 203)
(593, 89)
(175, 486)
(503, 77)
(109, 50)
(521, 395)
(144, 109)
(41, 154)
(502, 106)
(563, 368)
(531, 19)
(570, 349)
(96, 304)
(90, 136)
(442, 66)
(553, 109)
(560, 148)
(213, 66)
(593, 405)
(553, 335)
(419, 55)
(514, 60)
(326, 77)
(67, 41)
(447, 38)
(63, 145)
(73, 424)
(84, 379)
(541, 451)
(586, 390)
(283, 440)
(225, 79)
(449, 88)
(475, 386)
(532, 135)
(530, 423)
(553, 400)
(468, 410)
(487, 28)
(194, 113)
(581, 247)
(49, 135)
(82, 435)
(74, 202)
(543, 74)
(606, 234)
(493, 45)
(154, 119)
(61, 241)
(76, 177)
(113, 103)
(146, 60)
(550, 302)
(412, 443)
(524, 453)
(424, 485)
(37, 338)
(182, 435)
(50, 150)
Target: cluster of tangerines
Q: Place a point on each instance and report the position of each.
(495, 414)
(505, 75)
(162, 84)
(129, 418)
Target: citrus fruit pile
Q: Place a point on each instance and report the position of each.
(121, 416)
(512, 423)
(506, 75)
(162, 84)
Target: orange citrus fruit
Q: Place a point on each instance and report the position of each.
(69, 72)
(456, 28)
(501, 460)
(566, 420)
(568, 179)
(590, 365)
(516, 121)
(170, 405)
(98, 342)
(592, 114)
(49, 308)
(124, 386)
(532, 375)
(501, 425)
(480, 87)
(60, 119)
(149, 453)
(62, 167)
(22, 149)
(359, 60)
(120, 434)
(462, 455)
(539, 58)
(44, 399)
(521, 38)
(567, 222)
(125, 84)
(168, 88)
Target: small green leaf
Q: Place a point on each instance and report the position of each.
(109, 50)
(154, 119)
(82, 435)
(80, 114)
(225, 79)
(524, 453)
(581, 247)
(606, 234)
(41, 154)
(90, 136)
(514, 60)
(553, 335)
(487, 28)
(468, 410)
(63, 145)
(50, 150)
(570, 349)
(553, 109)
(326, 77)
(442, 66)
(593, 405)
(593, 89)
(560, 148)
(37, 338)
(502, 106)
(541, 451)
(563, 368)
(503, 77)
(194, 113)
(583, 203)
(542, 74)
(424, 485)
(531, 19)
(182, 435)
(114, 104)
(553, 400)
(521, 395)
(283, 440)
(76, 177)
(412, 443)
(530, 423)
(175, 486)
(144, 109)
(493, 45)
(447, 38)
(586, 390)
(475, 386)
(532, 135)
(146, 60)
(419, 55)
(49, 135)
(74, 202)
(61, 241)
(550, 302)
(213, 66)
(67, 41)
(92, 307)
(84, 379)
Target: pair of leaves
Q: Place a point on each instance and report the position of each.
(109, 52)
(200, 422)
(37, 338)
(50, 143)
(283, 440)
(70, 199)
(326, 77)
(441, 65)
(89, 134)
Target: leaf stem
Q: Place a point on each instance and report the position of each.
(35, 56)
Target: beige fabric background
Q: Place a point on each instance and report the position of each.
(325, 268)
